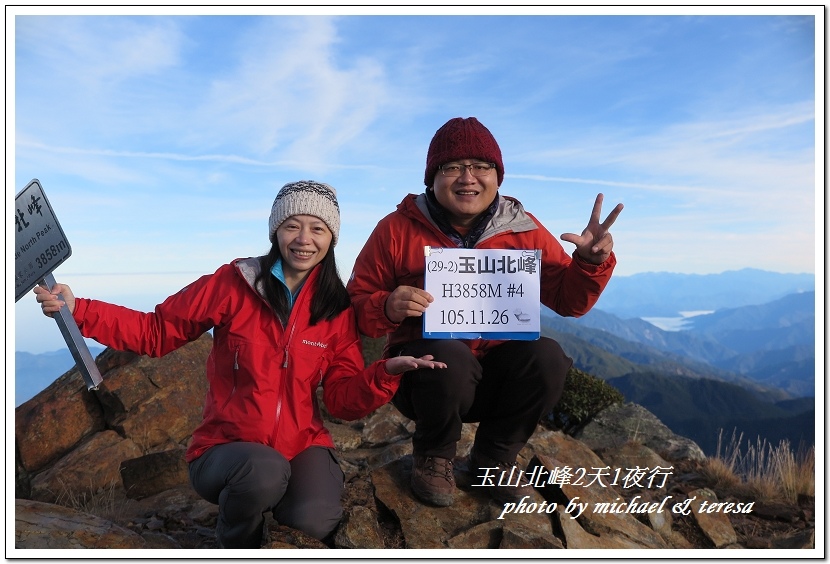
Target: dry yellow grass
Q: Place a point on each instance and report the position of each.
(762, 471)
(105, 501)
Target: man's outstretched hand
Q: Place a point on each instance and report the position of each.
(595, 243)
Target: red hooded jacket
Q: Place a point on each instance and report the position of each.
(394, 256)
(262, 376)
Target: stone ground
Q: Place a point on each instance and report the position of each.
(179, 519)
(770, 520)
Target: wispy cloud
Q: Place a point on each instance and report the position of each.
(100, 52)
(289, 97)
(751, 168)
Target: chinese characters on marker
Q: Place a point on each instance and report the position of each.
(482, 293)
(504, 264)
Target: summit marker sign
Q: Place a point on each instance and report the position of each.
(40, 247)
(40, 244)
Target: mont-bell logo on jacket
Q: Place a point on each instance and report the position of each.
(315, 344)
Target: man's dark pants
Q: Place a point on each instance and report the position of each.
(508, 391)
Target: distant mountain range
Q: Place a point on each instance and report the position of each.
(690, 399)
(749, 368)
(702, 409)
(34, 372)
(666, 294)
(771, 345)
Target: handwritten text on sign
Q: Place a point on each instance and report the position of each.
(482, 293)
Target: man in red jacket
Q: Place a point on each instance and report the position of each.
(506, 386)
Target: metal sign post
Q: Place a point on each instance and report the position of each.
(40, 247)
(75, 341)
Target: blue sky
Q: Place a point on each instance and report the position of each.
(161, 140)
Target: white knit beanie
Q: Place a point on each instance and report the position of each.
(306, 197)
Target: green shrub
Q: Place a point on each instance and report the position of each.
(583, 397)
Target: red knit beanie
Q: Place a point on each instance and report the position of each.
(460, 139)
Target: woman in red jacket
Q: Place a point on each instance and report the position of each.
(282, 326)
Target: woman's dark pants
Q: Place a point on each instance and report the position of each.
(248, 479)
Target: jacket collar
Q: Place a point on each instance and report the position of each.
(510, 215)
(249, 269)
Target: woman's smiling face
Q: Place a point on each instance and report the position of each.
(303, 241)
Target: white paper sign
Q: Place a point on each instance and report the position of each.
(482, 293)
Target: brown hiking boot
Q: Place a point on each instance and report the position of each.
(505, 481)
(432, 479)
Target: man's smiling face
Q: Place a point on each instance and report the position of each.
(465, 197)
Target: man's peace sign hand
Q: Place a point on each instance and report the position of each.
(595, 243)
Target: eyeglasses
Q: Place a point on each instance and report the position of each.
(476, 169)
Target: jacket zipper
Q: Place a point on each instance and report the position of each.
(235, 376)
(284, 375)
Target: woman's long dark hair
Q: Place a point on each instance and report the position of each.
(330, 295)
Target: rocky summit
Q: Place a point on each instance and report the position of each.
(105, 469)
